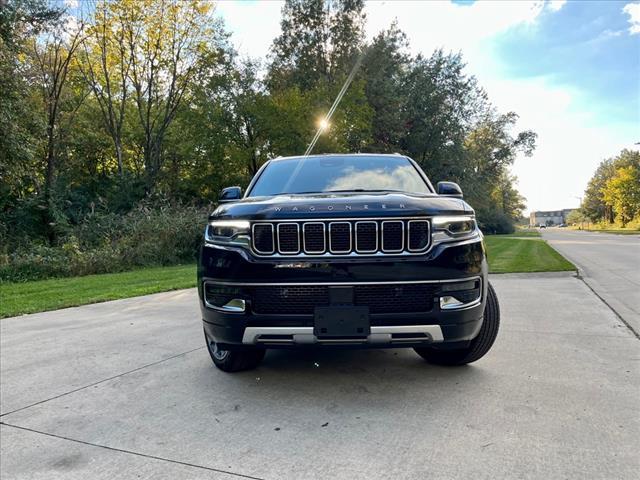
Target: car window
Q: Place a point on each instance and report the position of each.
(336, 173)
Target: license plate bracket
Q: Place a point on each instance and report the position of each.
(341, 321)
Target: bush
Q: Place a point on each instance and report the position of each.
(494, 222)
(106, 242)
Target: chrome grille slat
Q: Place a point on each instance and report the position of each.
(262, 236)
(365, 223)
(422, 235)
(288, 237)
(308, 240)
(336, 231)
(390, 236)
(343, 237)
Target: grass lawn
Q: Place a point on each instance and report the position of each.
(508, 254)
(30, 297)
(524, 233)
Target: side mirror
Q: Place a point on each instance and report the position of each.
(230, 194)
(450, 189)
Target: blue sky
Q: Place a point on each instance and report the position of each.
(584, 45)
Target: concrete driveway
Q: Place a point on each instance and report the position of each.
(125, 389)
(609, 264)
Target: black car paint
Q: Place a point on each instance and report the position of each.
(453, 260)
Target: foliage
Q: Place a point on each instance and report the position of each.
(139, 111)
(622, 192)
(576, 216)
(21, 128)
(613, 192)
(153, 233)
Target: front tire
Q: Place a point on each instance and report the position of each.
(234, 360)
(478, 347)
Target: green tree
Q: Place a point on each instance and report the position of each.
(576, 216)
(506, 197)
(622, 192)
(53, 54)
(385, 67)
(105, 63)
(166, 42)
(319, 43)
(595, 207)
(441, 99)
(20, 126)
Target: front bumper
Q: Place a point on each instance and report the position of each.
(446, 264)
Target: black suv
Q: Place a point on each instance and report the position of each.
(345, 250)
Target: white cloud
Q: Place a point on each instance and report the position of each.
(570, 142)
(633, 10)
(431, 25)
(71, 3)
(556, 5)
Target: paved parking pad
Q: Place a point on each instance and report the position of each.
(51, 353)
(556, 397)
(40, 457)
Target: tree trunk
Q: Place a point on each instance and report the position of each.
(49, 181)
(118, 145)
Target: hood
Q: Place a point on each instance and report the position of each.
(340, 206)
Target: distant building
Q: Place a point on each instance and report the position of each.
(549, 218)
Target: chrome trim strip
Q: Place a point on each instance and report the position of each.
(324, 238)
(414, 250)
(463, 306)
(427, 333)
(228, 307)
(331, 250)
(253, 238)
(289, 252)
(375, 249)
(285, 284)
(401, 233)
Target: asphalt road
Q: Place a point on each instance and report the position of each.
(125, 389)
(609, 264)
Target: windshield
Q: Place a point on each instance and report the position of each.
(339, 174)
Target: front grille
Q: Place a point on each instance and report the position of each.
(342, 237)
(392, 236)
(289, 299)
(263, 238)
(402, 298)
(288, 238)
(366, 237)
(314, 237)
(303, 299)
(418, 235)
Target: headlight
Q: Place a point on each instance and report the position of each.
(228, 232)
(447, 228)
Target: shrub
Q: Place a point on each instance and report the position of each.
(164, 234)
(492, 222)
